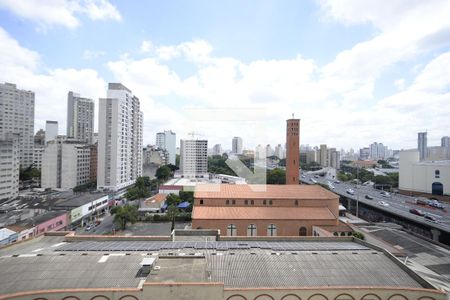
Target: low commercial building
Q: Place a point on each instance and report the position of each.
(7, 236)
(153, 204)
(84, 208)
(264, 210)
(427, 178)
(163, 268)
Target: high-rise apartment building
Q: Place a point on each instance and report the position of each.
(80, 117)
(217, 149)
(364, 153)
(269, 150)
(166, 140)
(17, 117)
(445, 141)
(292, 151)
(119, 139)
(194, 158)
(323, 155)
(236, 145)
(279, 151)
(9, 166)
(51, 131)
(422, 145)
(38, 152)
(66, 163)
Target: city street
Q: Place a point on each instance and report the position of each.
(397, 203)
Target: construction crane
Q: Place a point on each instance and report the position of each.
(193, 134)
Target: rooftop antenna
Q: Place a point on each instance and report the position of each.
(292, 115)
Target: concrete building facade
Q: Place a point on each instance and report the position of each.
(119, 139)
(38, 152)
(217, 149)
(236, 145)
(194, 158)
(423, 177)
(66, 164)
(323, 155)
(422, 145)
(80, 117)
(17, 117)
(51, 130)
(445, 141)
(292, 151)
(9, 166)
(167, 140)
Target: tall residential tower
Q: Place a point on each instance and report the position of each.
(17, 117)
(80, 118)
(422, 145)
(292, 150)
(119, 139)
(237, 145)
(166, 140)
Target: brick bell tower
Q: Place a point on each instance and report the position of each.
(292, 150)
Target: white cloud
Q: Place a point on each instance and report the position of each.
(146, 46)
(92, 54)
(20, 66)
(400, 84)
(47, 13)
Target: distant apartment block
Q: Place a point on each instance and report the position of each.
(51, 130)
(217, 149)
(39, 137)
(445, 141)
(194, 158)
(66, 163)
(80, 117)
(236, 145)
(422, 145)
(166, 140)
(9, 166)
(155, 155)
(119, 139)
(17, 116)
(38, 152)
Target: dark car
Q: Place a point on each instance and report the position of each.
(417, 212)
(430, 218)
(369, 197)
(421, 201)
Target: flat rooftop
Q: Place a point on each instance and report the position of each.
(51, 263)
(262, 191)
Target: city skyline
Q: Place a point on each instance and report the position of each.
(372, 82)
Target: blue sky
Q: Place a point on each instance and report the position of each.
(354, 71)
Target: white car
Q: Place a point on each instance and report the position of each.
(313, 180)
(385, 194)
(382, 203)
(350, 191)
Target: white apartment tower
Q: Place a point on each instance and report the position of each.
(51, 131)
(236, 145)
(65, 164)
(17, 117)
(9, 166)
(80, 118)
(119, 139)
(422, 145)
(166, 140)
(194, 158)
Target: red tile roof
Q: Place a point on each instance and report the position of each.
(261, 213)
(269, 191)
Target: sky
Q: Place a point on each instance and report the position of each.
(354, 71)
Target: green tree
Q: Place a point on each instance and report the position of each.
(141, 189)
(163, 173)
(125, 214)
(276, 176)
(172, 212)
(394, 179)
(173, 199)
(359, 235)
(29, 173)
(380, 179)
(172, 168)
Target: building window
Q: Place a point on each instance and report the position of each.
(264, 202)
(252, 202)
(201, 201)
(233, 202)
(231, 230)
(246, 202)
(228, 202)
(270, 202)
(296, 202)
(272, 230)
(302, 231)
(437, 174)
(251, 230)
